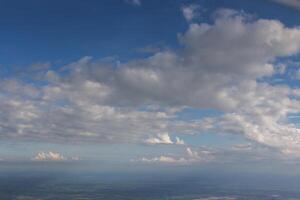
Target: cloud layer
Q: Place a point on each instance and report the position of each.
(191, 156)
(222, 66)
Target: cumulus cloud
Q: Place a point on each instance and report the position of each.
(53, 156)
(164, 138)
(48, 156)
(221, 66)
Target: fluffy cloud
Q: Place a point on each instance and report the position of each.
(48, 156)
(53, 156)
(222, 66)
(164, 138)
(160, 139)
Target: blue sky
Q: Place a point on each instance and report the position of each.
(60, 31)
(169, 82)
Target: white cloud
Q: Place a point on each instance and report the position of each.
(218, 68)
(53, 156)
(49, 156)
(164, 138)
(179, 141)
(191, 156)
(190, 12)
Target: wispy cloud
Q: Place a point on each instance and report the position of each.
(191, 156)
(190, 12)
(134, 2)
(291, 3)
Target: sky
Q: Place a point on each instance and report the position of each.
(148, 83)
